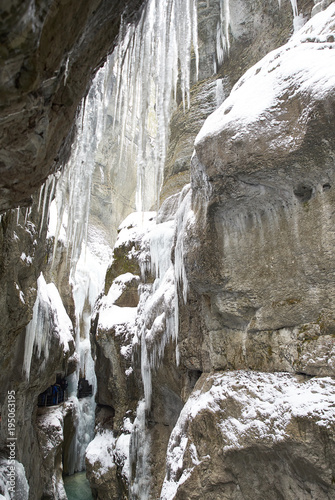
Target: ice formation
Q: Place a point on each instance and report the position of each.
(147, 64)
(154, 326)
(49, 319)
(73, 191)
(222, 34)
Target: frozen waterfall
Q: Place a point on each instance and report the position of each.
(152, 68)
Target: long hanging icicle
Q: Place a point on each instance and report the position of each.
(222, 34)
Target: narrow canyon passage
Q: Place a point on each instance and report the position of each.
(166, 250)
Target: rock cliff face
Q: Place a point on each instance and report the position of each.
(214, 337)
(250, 281)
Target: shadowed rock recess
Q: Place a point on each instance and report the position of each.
(211, 321)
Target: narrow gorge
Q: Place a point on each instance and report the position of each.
(167, 210)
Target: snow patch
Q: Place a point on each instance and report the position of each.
(26, 258)
(107, 451)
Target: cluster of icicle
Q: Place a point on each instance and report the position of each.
(150, 60)
(138, 87)
(73, 190)
(222, 34)
(49, 319)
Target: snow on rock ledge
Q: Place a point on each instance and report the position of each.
(270, 106)
(242, 432)
(107, 457)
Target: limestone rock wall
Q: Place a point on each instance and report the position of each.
(264, 205)
(254, 29)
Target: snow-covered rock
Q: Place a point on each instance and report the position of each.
(253, 435)
(107, 464)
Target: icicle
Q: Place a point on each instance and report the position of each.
(182, 220)
(74, 187)
(294, 8)
(48, 316)
(48, 195)
(140, 444)
(66, 72)
(195, 38)
(222, 34)
(27, 214)
(298, 19)
(40, 197)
